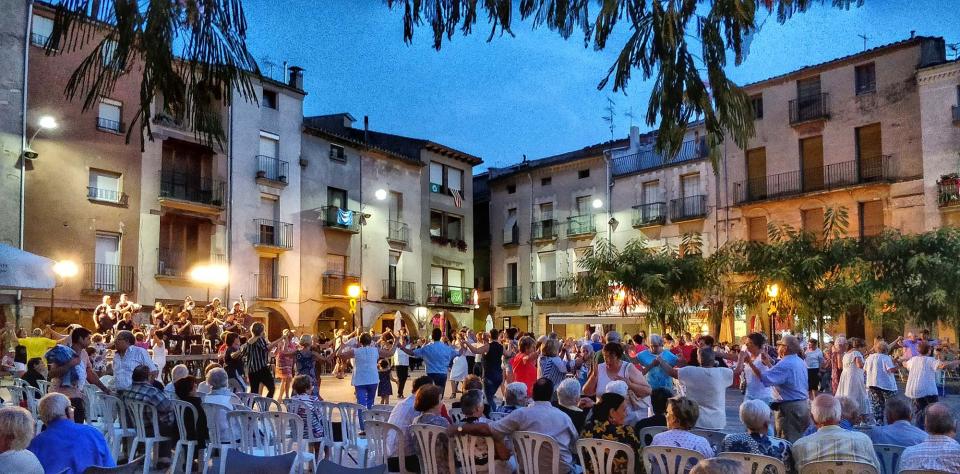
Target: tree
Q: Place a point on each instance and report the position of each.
(191, 55)
(681, 44)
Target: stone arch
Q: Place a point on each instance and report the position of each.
(276, 318)
(408, 320)
(331, 317)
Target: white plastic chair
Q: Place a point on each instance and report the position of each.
(252, 435)
(375, 414)
(889, 456)
(377, 446)
(327, 409)
(216, 440)
(666, 460)
(91, 403)
(305, 411)
(284, 433)
(265, 404)
(646, 434)
(456, 415)
(113, 423)
(838, 467)
(466, 448)
(428, 438)
(246, 398)
(382, 407)
(530, 449)
(350, 428)
(180, 409)
(599, 454)
(150, 437)
(756, 463)
(44, 386)
(715, 438)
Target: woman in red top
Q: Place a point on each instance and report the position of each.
(524, 364)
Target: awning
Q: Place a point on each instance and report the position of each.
(21, 270)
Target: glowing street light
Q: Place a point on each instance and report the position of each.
(773, 290)
(380, 194)
(597, 203)
(353, 291)
(210, 275)
(63, 269)
(47, 122)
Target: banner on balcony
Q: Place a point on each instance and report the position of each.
(344, 217)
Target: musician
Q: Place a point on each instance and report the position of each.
(183, 331)
(157, 313)
(211, 329)
(241, 318)
(125, 305)
(126, 322)
(104, 316)
(188, 304)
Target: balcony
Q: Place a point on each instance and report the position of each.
(543, 230)
(688, 208)
(948, 192)
(335, 284)
(39, 40)
(398, 232)
(108, 196)
(581, 226)
(273, 235)
(511, 235)
(107, 278)
(956, 114)
(175, 264)
(690, 150)
(270, 287)
(651, 214)
(508, 296)
(190, 192)
(449, 296)
(401, 291)
(343, 220)
(821, 178)
(551, 290)
(108, 125)
(807, 109)
(272, 171)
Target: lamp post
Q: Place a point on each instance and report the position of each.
(772, 291)
(210, 275)
(353, 291)
(63, 269)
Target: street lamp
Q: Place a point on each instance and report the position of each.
(210, 275)
(353, 291)
(63, 269)
(597, 203)
(772, 291)
(380, 194)
(46, 122)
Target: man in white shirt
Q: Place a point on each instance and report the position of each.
(402, 416)
(815, 360)
(706, 385)
(922, 380)
(127, 357)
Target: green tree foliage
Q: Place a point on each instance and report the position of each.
(190, 55)
(683, 45)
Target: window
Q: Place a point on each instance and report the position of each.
(269, 99)
(444, 178)
(511, 231)
(511, 188)
(336, 264)
(583, 173)
(866, 78)
(651, 192)
(106, 260)
(337, 153)
(583, 205)
(269, 144)
(447, 226)
(871, 218)
(42, 30)
(546, 211)
(337, 197)
(104, 186)
(108, 55)
(756, 101)
(546, 181)
(108, 116)
(812, 221)
(757, 229)
(446, 276)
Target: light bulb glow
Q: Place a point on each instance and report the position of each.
(380, 194)
(597, 204)
(353, 290)
(66, 269)
(47, 122)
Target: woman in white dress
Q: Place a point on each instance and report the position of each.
(853, 378)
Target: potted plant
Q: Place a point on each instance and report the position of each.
(462, 245)
(261, 174)
(282, 178)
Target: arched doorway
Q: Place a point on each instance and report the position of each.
(388, 318)
(444, 320)
(276, 323)
(332, 319)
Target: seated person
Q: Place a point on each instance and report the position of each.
(64, 445)
(516, 397)
(186, 390)
(472, 405)
(682, 415)
(568, 399)
(16, 431)
(899, 429)
(35, 371)
(849, 416)
(428, 403)
(142, 390)
(204, 387)
(845, 445)
(221, 395)
(716, 466)
(402, 416)
(940, 451)
(178, 372)
(308, 407)
(756, 416)
(658, 403)
(608, 420)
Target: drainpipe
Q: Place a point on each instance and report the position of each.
(228, 234)
(530, 318)
(23, 140)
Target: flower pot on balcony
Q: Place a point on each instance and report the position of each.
(462, 245)
(261, 174)
(283, 179)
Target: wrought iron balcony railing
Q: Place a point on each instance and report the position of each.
(192, 188)
(820, 178)
(544, 230)
(107, 195)
(337, 218)
(272, 168)
(109, 125)
(270, 286)
(398, 290)
(271, 233)
(445, 295)
(690, 150)
(107, 278)
(814, 107)
(581, 225)
(508, 296)
(654, 213)
(551, 290)
(335, 284)
(398, 231)
(687, 208)
(176, 263)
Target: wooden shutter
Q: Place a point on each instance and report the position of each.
(757, 229)
(813, 222)
(811, 154)
(757, 173)
(871, 218)
(869, 152)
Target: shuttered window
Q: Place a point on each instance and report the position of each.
(757, 229)
(871, 218)
(811, 152)
(869, 151)
(813, 222)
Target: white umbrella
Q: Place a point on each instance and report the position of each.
(489, 324)
(396, 322)
(21, 270)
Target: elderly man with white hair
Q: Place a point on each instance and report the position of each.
(831, 442)
(64, 445)
(789, 377)
(568, 400)
(940, 452)
(654, 360)
(16, 431)
(755, 415)
(516, 397)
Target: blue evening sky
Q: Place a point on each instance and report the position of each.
(534, 93)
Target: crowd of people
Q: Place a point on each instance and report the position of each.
(801, 403)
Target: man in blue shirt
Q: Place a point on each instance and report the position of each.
(899, 429)
(65, 446)
(789, 376)
(437, 357)
(651, 360)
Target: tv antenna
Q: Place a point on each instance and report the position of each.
(629, 114)
(954, 50)
(611, 115)
(864, 38)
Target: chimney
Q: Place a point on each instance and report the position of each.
(913, 33)
(366, 128)
(634, 137)
(296, 77)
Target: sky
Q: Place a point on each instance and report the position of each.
(533, 94)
